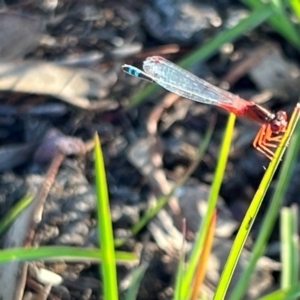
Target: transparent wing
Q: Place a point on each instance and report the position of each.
(184, 83)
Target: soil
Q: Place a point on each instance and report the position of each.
(79, 48)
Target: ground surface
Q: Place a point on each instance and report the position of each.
(147, 147)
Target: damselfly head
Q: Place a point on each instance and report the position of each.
(279, 123)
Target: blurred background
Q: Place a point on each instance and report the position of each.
(61, 80)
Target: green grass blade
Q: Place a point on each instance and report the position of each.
(286, 294)
(295, 5)
(137, 277)
(286, 233)
(279, 21)
(274, 205)
(108, 265)
(14, 212)
(67, 253)
(210, 48)
(180, 268)
(295, 253)
(179, 278)
(289, 246)
(213, 196)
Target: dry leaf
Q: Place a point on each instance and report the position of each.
(19, 35)
(74, 86)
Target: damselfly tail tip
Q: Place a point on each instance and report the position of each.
(133, 71)
(126, 68)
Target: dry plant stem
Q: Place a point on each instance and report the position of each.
(27, 296)
(162, 50)
(42, 195)
(152, 126)
(156, 177)
(44, 191)
(41, 292)
(153, 120)
(44, 292)
(34, 285)
(201, 266)
(37, 205)
(89, 145)
(156, 113)
(246, 64)
(37, 216)
(22, 281)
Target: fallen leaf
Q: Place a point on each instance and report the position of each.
(19, 34)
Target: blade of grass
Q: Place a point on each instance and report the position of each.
(202, 263)
(279, 21)
(291, 293)
(212, 200)
(164, 199)
(67, 253)
(286, 235)
(295, 213)
(106, 238)
(180, 269)
(210, 48)
(289, 246)
(14, 212)
(295, 5)
(274, 205)
(137, 277)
